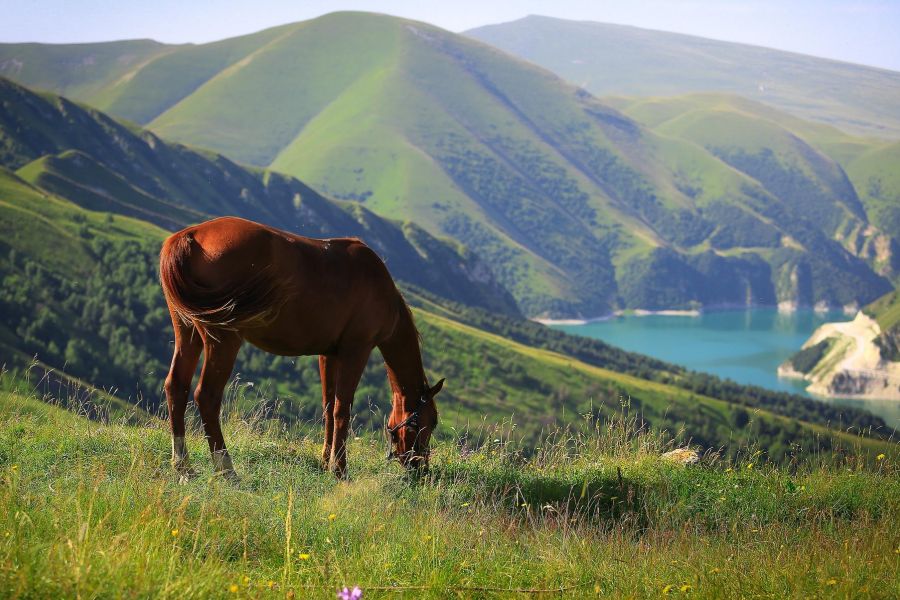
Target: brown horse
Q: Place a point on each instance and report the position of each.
(229, 280)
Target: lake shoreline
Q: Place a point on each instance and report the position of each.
(781, 307)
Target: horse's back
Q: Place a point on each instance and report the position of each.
(308, 294)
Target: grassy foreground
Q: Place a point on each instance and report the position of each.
(92, 510)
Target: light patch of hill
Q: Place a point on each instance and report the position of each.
(608, 59)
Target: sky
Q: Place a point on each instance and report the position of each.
(858, 31)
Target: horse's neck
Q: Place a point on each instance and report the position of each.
(403, 359)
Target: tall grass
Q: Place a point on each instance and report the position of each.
(92, 510)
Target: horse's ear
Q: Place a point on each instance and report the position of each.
(437, 387)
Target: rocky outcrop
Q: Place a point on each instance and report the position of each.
(845, 360)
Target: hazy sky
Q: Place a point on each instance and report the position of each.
(861, 31)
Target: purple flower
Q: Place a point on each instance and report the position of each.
(348, 594)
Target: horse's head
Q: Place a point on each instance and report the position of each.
(410, 427)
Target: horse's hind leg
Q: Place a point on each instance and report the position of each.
(327, 367)
(178, 384)
(220, 353)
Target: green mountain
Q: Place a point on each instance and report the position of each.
(100, 164)
(576, 208)
(610, 59)
(845, 186)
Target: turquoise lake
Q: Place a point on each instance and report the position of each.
(743, 345)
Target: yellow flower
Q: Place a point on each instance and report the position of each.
(271, 584)
(749, 465)
(729, 470)
(879, 457)
(685, 588)
(667, 589)
(246, 580)
(233, 588)
(303, 556)
(174, 533)
(831, 582)
(332, 517)
(16, 467)
(464, 504)
(426, 538)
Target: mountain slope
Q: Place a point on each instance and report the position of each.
(576, 208)
(86, 157)
(610, 59)
(843, 185)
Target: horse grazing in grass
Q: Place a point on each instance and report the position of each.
(230, 280)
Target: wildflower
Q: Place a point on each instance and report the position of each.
(303, 556)
(271, 584)
(16, 467)
(750, 466)
(729, 470)
(464, 504)
(233, 588)
(685, 588)
(332, 517)
(427, 538)
(246, 580)
(879, 457)
(174, 533)
(667, 589)
(348, 594)
(831, 582)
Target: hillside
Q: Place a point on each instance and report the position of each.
(87, 506)
(76, 153)
(846, 185)
(608, 59)
(576, 208)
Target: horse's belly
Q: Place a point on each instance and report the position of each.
(287, 347)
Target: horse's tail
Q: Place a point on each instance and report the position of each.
(247, 301)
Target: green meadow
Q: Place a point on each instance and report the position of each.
(91, 509)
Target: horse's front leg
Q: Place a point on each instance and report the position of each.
(177, 387)
(218, 362)
(349, 369)
(327, 368)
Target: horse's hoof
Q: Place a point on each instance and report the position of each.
(185, 474)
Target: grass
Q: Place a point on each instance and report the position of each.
(92, 510)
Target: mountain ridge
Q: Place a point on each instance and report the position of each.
(607, 58)
(577, 208)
